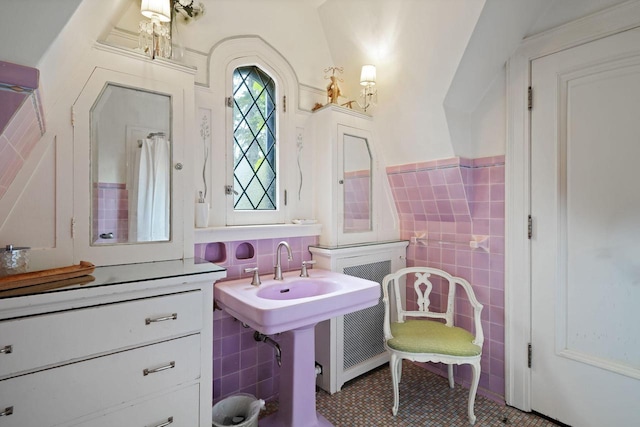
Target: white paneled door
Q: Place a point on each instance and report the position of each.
(585, 248)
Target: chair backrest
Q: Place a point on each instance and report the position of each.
(427, 304)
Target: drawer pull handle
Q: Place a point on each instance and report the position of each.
(150, 320)
(6, 349)
(164, 424)
(7, 411)
(171, 365)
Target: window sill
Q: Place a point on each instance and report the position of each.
(255, 232)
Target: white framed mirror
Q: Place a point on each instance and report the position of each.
(130, 166)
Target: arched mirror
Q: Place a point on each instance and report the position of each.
(130, 131)
(357, 186)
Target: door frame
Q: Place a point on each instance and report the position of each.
(518, 181)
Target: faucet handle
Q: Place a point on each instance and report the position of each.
(255, 281)
(303, 271)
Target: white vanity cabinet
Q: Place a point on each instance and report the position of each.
(131, 348)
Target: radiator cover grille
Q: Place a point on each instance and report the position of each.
(363, 333)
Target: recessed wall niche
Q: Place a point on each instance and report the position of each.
(216, 252)
(245, 250)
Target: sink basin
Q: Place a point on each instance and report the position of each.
(282, 305)
(298, 288)
(292, 307)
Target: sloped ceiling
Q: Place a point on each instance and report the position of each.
(28, 27)
(500, 29)
(434, 57)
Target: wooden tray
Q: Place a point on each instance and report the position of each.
(46, 276)
(43, 287)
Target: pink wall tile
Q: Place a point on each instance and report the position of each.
(111, 212)
(478, 185)
(19, 75)
(240, 363)
(448, 162)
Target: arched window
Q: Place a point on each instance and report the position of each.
(255, 172)
(252, 132)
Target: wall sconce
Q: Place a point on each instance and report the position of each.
(368, 94)
(154, 38)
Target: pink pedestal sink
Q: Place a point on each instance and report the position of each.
(292, 307)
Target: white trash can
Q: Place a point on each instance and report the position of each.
(240, 410)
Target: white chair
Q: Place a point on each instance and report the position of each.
(428, 334)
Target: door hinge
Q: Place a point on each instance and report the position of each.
(285, 197)
(530, 98)
(73, 116)
(529, 227)
(529, 355)
(228, 101)
(284, 104)
(73, 227)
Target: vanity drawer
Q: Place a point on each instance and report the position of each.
(54, 396)
(179, 409)
(40, 341)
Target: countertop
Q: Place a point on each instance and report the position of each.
(121, 274)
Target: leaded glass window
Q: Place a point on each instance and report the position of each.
(254, 140)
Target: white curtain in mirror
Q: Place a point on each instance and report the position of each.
(152, 187)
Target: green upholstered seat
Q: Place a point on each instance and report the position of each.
(424, 335)
(427, 336)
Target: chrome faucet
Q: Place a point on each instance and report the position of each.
(277, 273)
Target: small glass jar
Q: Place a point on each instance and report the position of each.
(13, 260)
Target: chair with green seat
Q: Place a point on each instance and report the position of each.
(427, 333)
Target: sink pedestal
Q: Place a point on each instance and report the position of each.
(297, 403)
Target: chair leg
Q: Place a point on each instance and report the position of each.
(450, 374)
(399, 370)
(393, 364)
(473, 389)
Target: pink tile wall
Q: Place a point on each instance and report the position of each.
(432, 191)
(479, 212)
(111, 212)
(357, 211)
(240, 364)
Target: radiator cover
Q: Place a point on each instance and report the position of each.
(363, 334)
(351, 345)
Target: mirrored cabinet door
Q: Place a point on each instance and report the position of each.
(131, 146)
(356, 184)
(127, 147)
(356, 200)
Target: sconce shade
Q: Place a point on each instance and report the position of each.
(159, 10)
(368, 75)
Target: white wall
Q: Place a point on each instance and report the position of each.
(292, 27)
(487, 136)
(416, 46)
(481, 132)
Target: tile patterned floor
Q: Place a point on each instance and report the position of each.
(425, 401)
